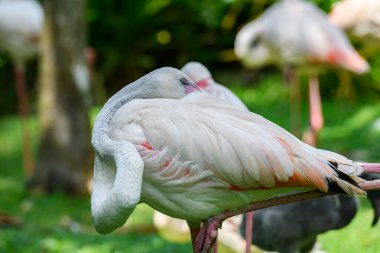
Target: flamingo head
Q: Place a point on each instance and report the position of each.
(198, 73)
(166, 82)
(250, 46)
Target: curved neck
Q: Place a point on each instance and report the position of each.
(103, 119)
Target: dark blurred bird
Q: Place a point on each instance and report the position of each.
(296, 33)
(295, 227)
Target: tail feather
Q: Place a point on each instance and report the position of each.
(341, 163)
(356, 63)
(344, 183)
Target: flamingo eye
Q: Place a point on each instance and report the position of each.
(184, 81)
(255, 42)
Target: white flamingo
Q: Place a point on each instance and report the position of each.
(176, 230)
(20, 28)
(361, 20)
(297, 33)
(194, 157)
(203, 78)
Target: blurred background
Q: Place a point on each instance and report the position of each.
(91, 49)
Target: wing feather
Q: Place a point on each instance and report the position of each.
(240, 148)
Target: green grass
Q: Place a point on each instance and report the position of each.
(358, 236)
(59, 223)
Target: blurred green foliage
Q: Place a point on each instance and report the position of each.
(134, 37)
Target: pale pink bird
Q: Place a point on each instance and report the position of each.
(176, 230)
(297, 33)
(192, 156)
(360, 19)
(203, 78)
(20, 28)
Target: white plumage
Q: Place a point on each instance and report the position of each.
(176, 230)
(20, 28)
(191, 156)
(361, 19)
(295, 32)
(203, 78)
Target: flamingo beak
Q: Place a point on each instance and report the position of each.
(191, 88)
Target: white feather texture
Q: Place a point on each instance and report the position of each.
(199, 73)
(191, 155)
(20, 28)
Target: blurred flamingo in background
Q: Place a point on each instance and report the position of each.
(20, 28)
(361, 20)
(298, 34)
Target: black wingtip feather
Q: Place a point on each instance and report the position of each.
(333, 185)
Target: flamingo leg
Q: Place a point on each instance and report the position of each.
(248, 232)
(23, 110)
(315, 111)
(209, 229)
(215, 248)
(194, 231)
(372, 185)
(371, 167)
(207, 234)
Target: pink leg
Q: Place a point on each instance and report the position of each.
(315, 111)
(248, 232)
(207, 235)
(371, 185)
(371, 167)
(23, 103)
(215, 248)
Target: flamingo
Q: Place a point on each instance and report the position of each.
(204, 80)
(176, 230)
(361, 20)
(297, 33)
(20, 28)
(192, 156)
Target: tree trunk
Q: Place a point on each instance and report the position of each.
(65, 155)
